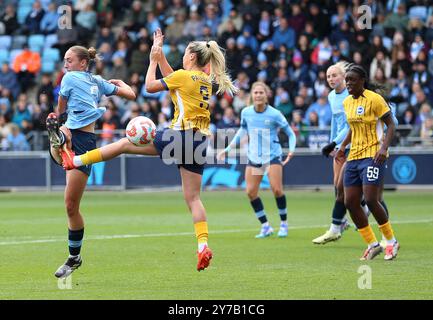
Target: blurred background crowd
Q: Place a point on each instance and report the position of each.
(287, 44)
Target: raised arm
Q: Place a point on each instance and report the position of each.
(164, 66)
(152, 84)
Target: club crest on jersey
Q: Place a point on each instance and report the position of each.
(267, 122)
(360, 110)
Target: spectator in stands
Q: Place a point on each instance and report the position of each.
(27, 65)
(322, 109)
(8, 20)
(22, 111)
(110, 122)
(193, 26)
(33, 19)
(136, 16)
(229, 120)
(8, 79)
(397, 20)
(380, 61)
(320, 21)
(416, 47)
(81, 5)
(86, 24)
(282, 103)
(284, 35)
(174, 56)
(298, 127)
(162, 121)
(140, 58)
(427, 131)
(399, 93)
(66, 38)
(50, 20)
(105, 35)
(174, 31)
(152, 23)
(46, 88)
(211, 18)
(265, 26)
(16, 140)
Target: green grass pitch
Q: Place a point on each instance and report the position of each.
(141, 246)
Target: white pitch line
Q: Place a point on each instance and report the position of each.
(150, 235)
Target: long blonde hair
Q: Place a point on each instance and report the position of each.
(211, 52)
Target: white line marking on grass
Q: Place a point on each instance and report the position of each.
(151, 235)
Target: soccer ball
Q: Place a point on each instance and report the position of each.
(140, 131)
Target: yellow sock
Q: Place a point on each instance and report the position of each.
(201, 232)
(92, 156)
(368, 235)
(387, 231)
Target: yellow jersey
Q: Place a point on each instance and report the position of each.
(363, 115)
(190, 92)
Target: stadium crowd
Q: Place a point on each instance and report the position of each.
(287, 44)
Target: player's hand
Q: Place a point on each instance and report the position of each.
(380, 156)
(155, 53)
(340, 156)
(221, 155)
(326, 150)
(288, 158)
(158, 38)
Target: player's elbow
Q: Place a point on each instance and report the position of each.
(151, 88)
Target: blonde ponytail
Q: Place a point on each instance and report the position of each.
(210, 52)
(218, 71)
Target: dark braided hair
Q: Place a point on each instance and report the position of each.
(378, 88)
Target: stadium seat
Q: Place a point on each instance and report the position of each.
(50, 40)
(51, 55)
(13, 54)
(4, 56)
(22, 13)
(36, 42)
(18, 42)
(25, 3)
(5, 42)
(48, 66)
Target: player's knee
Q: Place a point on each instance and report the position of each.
(277, 191)
(72, 207)
(251, 193)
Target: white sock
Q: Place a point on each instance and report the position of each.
(74, 257)
(77, 161)
(335, 228)
(266, 224)
(201, 246)
(283, 223)
(390, 242)
(374, 244)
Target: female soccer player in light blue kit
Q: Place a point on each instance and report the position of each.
(79, 96)
(261, 122)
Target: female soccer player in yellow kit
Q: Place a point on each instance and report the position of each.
(186, 139)
(366, 113)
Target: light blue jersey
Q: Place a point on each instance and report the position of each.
(339, 125)
(83, 91)
(262, 129)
